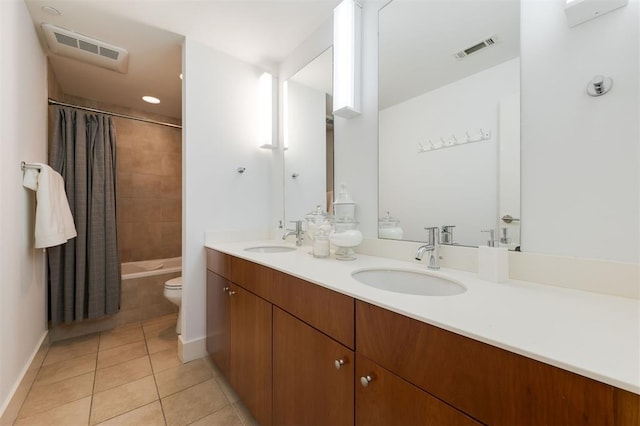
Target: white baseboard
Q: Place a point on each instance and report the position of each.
(194, 349)
(9, 408)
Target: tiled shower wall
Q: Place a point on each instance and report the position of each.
(150, 190)
(149, 184)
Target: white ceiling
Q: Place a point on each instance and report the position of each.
(261, 32)
(317, 74)
(418, 40)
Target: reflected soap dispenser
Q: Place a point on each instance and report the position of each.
(493, 262)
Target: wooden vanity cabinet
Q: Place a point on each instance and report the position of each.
(492, 385)
(389, 400)
(251, 352)
(312, 375)
(239, 338)
(219, 321)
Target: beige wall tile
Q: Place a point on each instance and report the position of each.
(146, 186)
(46, 397)
(119, 354)
(193, 403)
(172, 187)
(148, 161)
(171, 164)
(147, 210)
(125, 160)
(179, 378)
(119, 400)
(120, 374)
(171, 210)
(150, 414)
(70, 414)
(125, 185)
(147, 241)
(129, 295)
(125, 209)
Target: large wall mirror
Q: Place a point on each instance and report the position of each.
(449, 118)
(308, 138)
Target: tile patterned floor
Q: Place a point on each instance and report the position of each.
(130, 375)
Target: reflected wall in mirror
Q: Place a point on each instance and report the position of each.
(308, 138)
(449, 118)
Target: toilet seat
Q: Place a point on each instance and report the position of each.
(174, 283)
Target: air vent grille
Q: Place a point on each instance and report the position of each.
(86, 49)
(487, 42)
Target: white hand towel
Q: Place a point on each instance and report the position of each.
(30, 179)
(54, 222)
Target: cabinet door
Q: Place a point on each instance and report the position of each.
(308, 389)
(218, 321)
(251, 351)
(389, 400)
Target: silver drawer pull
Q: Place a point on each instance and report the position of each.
(338, 363)
(365, 380)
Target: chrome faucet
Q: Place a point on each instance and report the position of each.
(298, 232)
(431, 247)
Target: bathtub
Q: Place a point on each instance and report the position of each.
(149, 268)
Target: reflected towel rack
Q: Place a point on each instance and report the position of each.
(483, 135)
(24, 165)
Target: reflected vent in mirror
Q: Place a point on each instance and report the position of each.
(487, 42)
(85, 49)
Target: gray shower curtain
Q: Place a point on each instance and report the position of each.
(84, 273)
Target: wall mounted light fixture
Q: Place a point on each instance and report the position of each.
(347, 40)
(285, 115)
(266, 112)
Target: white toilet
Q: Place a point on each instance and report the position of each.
(173, 292)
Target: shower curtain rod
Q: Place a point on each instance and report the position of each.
(115, 114)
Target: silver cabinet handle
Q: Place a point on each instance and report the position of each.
(231, 293)
(338, 363)
(365, 380)
(225, 289)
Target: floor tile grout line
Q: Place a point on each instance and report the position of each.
(153, 373)
(93, 387)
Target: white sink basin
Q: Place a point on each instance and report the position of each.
(408, 282)
(269, 249)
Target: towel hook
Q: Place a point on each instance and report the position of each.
(241, 170)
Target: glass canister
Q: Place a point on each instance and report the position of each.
(389, 227)
(345, 237)
(343, 207)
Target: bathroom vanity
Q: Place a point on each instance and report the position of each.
(302, 342)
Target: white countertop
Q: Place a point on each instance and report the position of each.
(594, 335)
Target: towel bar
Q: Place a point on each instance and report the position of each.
(24, 166)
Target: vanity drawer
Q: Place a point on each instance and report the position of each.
(326, 310)
(253, 277)
(492, 385)
(219, 263)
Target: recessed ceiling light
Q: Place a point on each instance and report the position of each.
(151, 99)
(50, 10)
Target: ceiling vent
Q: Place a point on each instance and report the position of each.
(85, 49)
(487, 42)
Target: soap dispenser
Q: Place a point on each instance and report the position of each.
(493, 262)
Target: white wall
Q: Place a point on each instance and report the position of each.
(580, 191)
(306, 154)
(443, 186)
(23, 136)
(220, 134)
(580, 183)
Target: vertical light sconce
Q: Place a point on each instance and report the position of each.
(285, 115)
(347, 38)
(266, 111)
